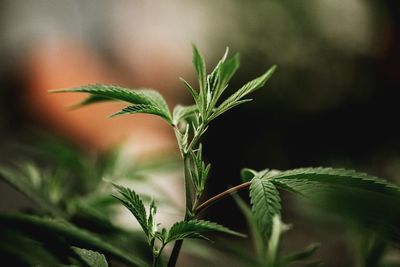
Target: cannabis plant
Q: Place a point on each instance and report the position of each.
(371, 203)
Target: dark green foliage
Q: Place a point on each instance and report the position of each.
(73, 235)
(371, 203)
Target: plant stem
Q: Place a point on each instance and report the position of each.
(188, 190)
(154, 261)
(197, 137)
(175, 253)
(178, 244)
(188, 209)
(220, 196)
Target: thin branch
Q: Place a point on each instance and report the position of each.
(220, 196)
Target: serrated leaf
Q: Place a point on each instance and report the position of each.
(245, 90)
(73, 235)
(191, 90)
(194, 229)
(91, 258)
(265, 202)
(137, 97)
(225, 72)
(134, 204)
(142, 108)
(200, 66)
(369, 201)
(212, 78)
(182, 112)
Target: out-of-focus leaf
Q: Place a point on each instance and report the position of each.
(92, 258)
(23, 184)
(73, 235)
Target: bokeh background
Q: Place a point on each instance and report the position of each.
(333, 100)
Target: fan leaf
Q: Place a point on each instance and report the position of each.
(369, 201)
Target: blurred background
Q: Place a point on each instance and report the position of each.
(333, 100)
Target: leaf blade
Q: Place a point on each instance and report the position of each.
(370, 202)
(182, 112)
(134, 204)
(245, 90)
(192, 229)
(18, 181)
(75, 236)
(92, 258)
(103, 92)
(265, 202)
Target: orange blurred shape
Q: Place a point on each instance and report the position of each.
(64, 64)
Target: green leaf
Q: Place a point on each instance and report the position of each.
(91, 258)
(142, 108)
(247, 174)
(14, 246)
(134, 204)
(200, 66)
(265, 202)
(102, 92)
(246, 89)
(225, 72)
(194, 229)
(182, 112)
(73, 235)
(212, 78)
(151, 223)
(302, 255)
(368, 201)
(25, 184)
(92, 99)
(192, 91)
(259, 242)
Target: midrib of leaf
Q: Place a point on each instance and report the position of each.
(265, 203)
(193, 229)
